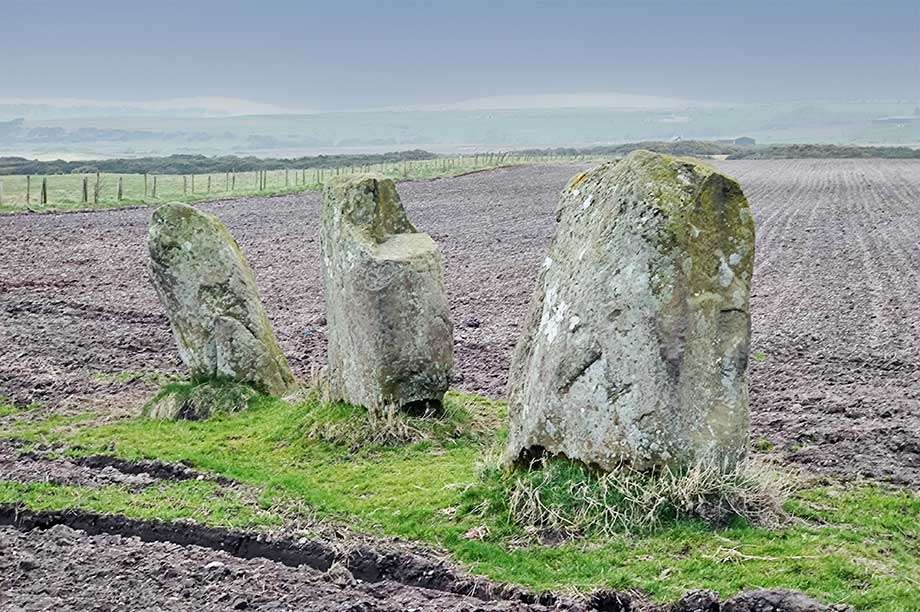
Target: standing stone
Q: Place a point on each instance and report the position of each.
(389, 328)
(635, 352)
(211, 298)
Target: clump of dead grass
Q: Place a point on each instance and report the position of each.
(199, 399)
(319, 418)
(568, 499)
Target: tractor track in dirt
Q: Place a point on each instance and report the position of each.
(81, 560)
(78, 560)
(835, 379)
(835, 382)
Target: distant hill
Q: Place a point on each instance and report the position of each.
(451, 130)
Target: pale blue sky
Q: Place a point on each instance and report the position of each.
(365, 54)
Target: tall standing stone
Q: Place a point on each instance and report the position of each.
(388, 322)
(636, 347)
(211, 298)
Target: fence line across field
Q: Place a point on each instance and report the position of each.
(99, 188)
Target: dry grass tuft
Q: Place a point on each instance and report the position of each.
(200, 399)
(565, 499)
(356, 428)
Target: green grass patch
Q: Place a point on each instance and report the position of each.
(8, 408)
(856, 544)
(201, 501)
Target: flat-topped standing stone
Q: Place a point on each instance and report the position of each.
(211, 298)
(636, 347)
(388, 322)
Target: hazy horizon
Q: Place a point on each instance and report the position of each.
(103, 78)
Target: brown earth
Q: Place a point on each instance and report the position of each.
(112, 563)
(836, 318)
(835, 374)
(78, 560)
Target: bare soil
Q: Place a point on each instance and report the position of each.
(112, 563)
(835, 374)
(45, 465)
(65, 569)
(836, 320)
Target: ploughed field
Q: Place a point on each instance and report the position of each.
(835, 367)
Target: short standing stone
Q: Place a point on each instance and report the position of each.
(636, 347)
(388, 322)
(211, 298)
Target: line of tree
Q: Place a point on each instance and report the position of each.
(202, 164)
(823, 151)
(707, 148)
(703, 148)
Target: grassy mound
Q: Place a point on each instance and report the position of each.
(843, 543)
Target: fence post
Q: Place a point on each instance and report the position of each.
(85, 189)
(28, 190)
(184, 185)
(44, 196)
(154, 186)
(97, 189)
(120, 191)
(233, 182)
(227, 181)
(209, 183)
(285, 178)
(145, 184)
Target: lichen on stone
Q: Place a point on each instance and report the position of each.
(656, 271)
(390, 338)
(211, 299)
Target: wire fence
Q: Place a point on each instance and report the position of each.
(75, 191)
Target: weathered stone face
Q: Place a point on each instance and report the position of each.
(636, 347)
(388, 322)
(211, 298)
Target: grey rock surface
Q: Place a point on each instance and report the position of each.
(208, 290)
(636, 346)
(390, 337)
